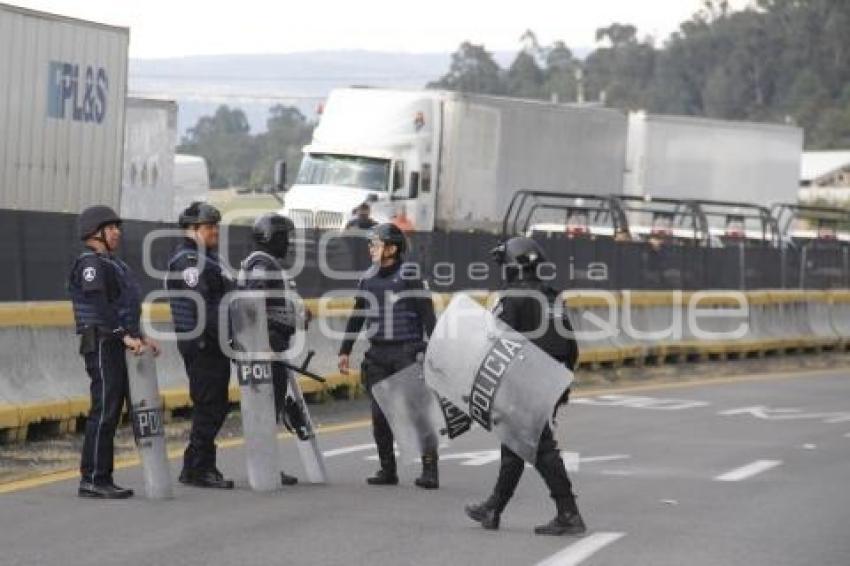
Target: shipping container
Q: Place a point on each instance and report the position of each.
(150, 138)
(697, 158)
(63, 84)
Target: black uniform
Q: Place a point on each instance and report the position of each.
(264, 272)
(397, 329)
(107, 306)
(523, 314)
(206, 365)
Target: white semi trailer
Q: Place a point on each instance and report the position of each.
(696, 158)
(150, 138)
(449, 161)
(63, 85)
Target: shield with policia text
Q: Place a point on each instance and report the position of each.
(148, 426)
(505, 383)
(416, 414)
(254, 374)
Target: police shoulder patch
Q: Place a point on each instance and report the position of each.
(191, 276)
(89, 274)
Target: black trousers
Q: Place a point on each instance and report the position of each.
(549, 465)
(209, 378)
(381, 361)
(107, 368)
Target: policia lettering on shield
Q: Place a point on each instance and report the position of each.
(195, 267)
(522, 310)
(107, 309)
(397, 325)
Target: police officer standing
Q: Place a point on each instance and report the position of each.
(264, 272)
(195, 266)
(520, 258)
(107, 308)
(397, 327)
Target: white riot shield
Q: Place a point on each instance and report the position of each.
(259, 424)
(308, 444)
(148, 426)
(503, 381)
(412, 411)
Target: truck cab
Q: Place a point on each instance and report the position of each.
(375, 146)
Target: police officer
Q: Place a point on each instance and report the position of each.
(520, 259)
(397, 327)
(362, 219)
(107, 308)
(195, 266)
(271, 233)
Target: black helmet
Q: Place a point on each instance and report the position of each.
(519, 252)
(389, 233)
(199, 213)
(271, 231)
(92, 219)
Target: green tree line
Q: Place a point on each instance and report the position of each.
(238, 158)
(785, 61)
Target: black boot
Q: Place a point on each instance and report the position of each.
(103, 491)
(568, 521)
(286, 479)
(384, 476)
(205, 478)
(430, 478)
(487, 513)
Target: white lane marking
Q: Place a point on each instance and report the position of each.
(580, 551)
(787, 414)
(573, 460)
(748, 471)
(477, 458)
(348, 450)
(640, 402)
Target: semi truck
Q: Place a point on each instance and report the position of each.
(448, 161)
(63, 86)
(697, 158)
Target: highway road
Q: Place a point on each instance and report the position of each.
(751, 470)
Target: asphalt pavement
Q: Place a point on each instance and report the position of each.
(736, 471)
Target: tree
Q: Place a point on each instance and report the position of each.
(621, 71)
(288, 131)
(225, 141)
(472, 69)
(525, 78)
(560, 73)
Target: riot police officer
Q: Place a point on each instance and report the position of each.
(263, 269)
(106, 299)
(520, 259)
(195, 266)
(397, 328)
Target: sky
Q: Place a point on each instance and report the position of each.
(178, 28)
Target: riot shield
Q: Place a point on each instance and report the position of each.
(259, 424)
(308, 444)
(148, 426)
(412, 411)
(504, 382)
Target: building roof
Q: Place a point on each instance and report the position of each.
(816, 164)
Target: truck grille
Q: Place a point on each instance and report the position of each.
(322, 220)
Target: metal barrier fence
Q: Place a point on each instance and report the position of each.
(38, 248)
